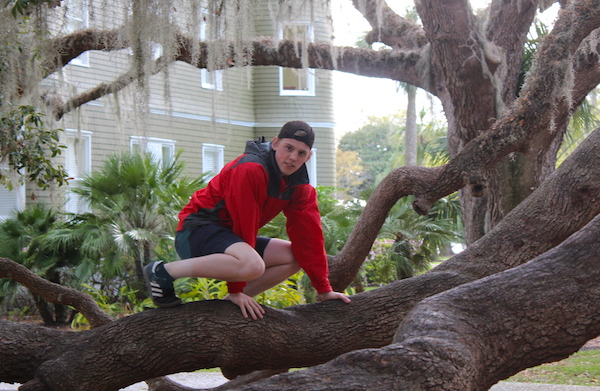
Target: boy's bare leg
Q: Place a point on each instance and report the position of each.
(280, 264)
(239, 263)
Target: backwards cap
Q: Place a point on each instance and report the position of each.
(298, 130)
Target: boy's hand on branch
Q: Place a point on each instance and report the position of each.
(246, 304)
(333, 296)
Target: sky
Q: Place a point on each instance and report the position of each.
(358, 97)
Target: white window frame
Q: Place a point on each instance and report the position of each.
(153, 145)
(211, 80)
(217, 149)
(311, 167)
(83, 60)
(309, 72)
(156, 50)
(74, 204)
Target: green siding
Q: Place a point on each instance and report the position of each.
(181, 110)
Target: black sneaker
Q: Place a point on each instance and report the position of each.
(160, 285)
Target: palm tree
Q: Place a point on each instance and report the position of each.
(416, 241)
(410, 132)
(24, 241)
(583, 122)
(135, 202)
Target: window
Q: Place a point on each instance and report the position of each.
(212, 159)
(297, 81)
(156, 50)
(78, 162)
(212, 80)
(77, 19)
(311, 167)
(162, 150)
(11, 200)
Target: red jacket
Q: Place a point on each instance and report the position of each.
(248, 193)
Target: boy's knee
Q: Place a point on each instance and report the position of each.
(251, 269)
(250, 265)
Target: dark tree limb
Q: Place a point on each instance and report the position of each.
(405, 65)
(395, 65)
(464, 59)
(55, 293)
(389, 28)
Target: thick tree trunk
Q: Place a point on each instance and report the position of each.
(44, 310)
(212, 333)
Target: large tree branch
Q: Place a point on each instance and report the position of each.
(395, 65)
(464, 59)
(389, 28)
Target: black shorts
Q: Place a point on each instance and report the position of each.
(210, 239)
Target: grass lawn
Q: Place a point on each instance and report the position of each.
(581, 369)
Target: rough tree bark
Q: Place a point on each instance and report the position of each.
(211, 333)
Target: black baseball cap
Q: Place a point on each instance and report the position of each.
(298, 130)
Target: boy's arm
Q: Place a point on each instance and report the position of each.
(306, 234)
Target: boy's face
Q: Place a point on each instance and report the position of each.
(290, 154)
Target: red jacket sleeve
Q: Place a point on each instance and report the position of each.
(246, 191)
(306, 234)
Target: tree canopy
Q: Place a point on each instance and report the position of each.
(524, 292)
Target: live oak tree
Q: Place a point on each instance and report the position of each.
(523, 293)
(504, 314)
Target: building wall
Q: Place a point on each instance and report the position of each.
(178, 108)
